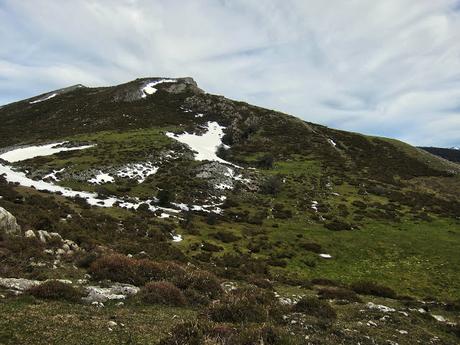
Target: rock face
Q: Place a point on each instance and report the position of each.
(8, 224)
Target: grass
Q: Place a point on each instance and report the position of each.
(27, 321)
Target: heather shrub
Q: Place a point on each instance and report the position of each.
(315, 307)
(196, 298)
(188, 333)
(338, 294)
(245, 305)
(373, 289)
(162, 293)
(115, 267)
(204, 282)
(54, 289)
(226, 236)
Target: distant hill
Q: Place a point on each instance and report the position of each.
(451, 154)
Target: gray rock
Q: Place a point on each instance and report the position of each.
(30, 234)
(115, 292)
(18, 284)
(43, 236)
(8, 223)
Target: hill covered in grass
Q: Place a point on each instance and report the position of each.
(238, 217)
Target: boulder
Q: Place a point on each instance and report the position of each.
(115, 292)
(8, 223)
(30, 234)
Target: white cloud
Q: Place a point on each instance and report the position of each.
(389, 68)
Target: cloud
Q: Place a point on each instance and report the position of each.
(384, 68)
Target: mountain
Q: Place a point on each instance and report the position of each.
(191, 206)
(451, 154)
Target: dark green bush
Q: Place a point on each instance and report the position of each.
(311, 247)
(339, 294)
(373, 289)
(225, 236)
(337, 225)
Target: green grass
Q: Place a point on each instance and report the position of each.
(29, 321)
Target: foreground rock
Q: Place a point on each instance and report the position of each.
(116, 291)
(8, 224)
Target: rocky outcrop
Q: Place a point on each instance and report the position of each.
(115, 292)
(18, 284)
(8, 224)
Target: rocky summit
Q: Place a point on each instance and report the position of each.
(153, 212)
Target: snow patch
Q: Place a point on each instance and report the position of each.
(44, 98)
(29, 152)
(150, 89)
(53, 176)
(314, 205)
(325, 256)
(138, 171)
(177, 238)
(332, 142)
(205, 146)
(101, 178)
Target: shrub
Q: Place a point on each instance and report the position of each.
(315, 307)
(266, 161)
(311, 247)
(226, 236)
(261, 282)
(324, 281)
(245, 305)
(339, 294)
(268, 335)
(280, 212)
(165, 197)
(115, 267)
(188, 333)
(272, 185)
(196, 298)
(209, 247)
(54, 289)
(373, 289)
(337, 225)
(85, 259)
(162, 293)
(122, 269)
(202, 281)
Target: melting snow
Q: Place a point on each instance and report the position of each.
(53, 175)
(149, 89)
(35, 151)
(138, 171)
(199, 115)
(91, 198)
(326, 256)
(101, 178)
(314, 205)
(205, 145)
(332, 142)
(44, 98)
(177, 238)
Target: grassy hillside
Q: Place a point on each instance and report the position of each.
(313, 210)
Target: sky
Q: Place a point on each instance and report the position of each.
(388, 68)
